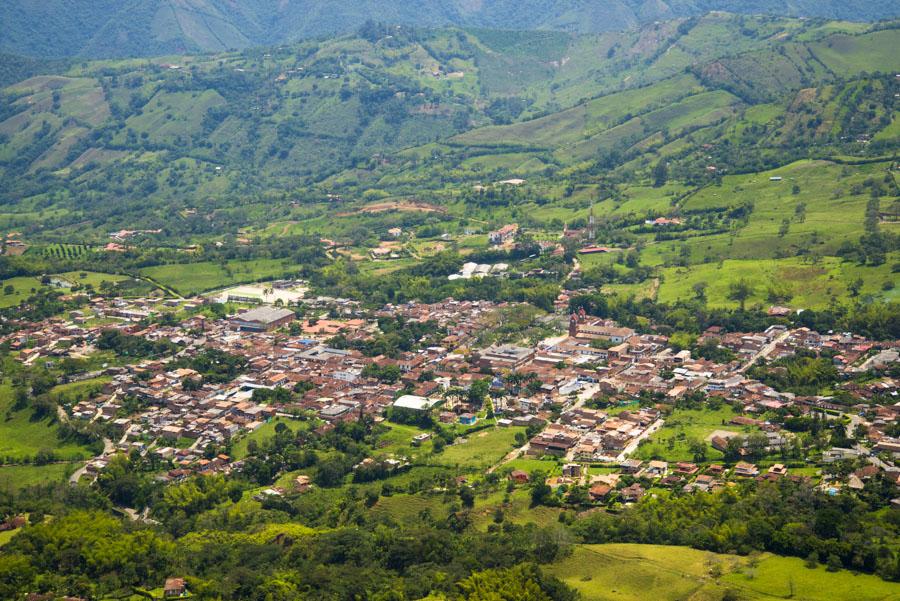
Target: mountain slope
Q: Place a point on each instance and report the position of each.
(109, 28)
(769, 144)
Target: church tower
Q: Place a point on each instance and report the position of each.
(591, 231)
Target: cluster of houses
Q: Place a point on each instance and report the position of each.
(552, 387)
(634, 477)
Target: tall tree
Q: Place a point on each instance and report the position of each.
(740, 291)
(660, 173)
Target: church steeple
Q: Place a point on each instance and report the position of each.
(591, 233)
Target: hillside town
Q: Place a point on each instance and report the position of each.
(590, 396)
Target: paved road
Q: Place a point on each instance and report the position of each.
(108, 448)
(763, 352)
(856, 420)
(633, 445)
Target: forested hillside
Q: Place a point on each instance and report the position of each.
(694, 121)
(109, 28)
(449, 300)
(404, 111)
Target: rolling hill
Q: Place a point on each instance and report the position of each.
(109, 28)
(267, 141)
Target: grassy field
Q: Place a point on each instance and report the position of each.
(92, 277)
(22, 287)
(481, 449)
(193, 278)
(581, 121)
(833, 203)
(21, 436)
(264, 432)
(398, 441)
(549, 465)
(851, 54)
(626, 572)
(14, 477)
(671, 442)
(5, 537)
(517, 508)
(810, 285)
(73, 392)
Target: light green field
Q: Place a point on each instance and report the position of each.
(812, 286)
(5, 537)
(640, 291)
(21, 437)
(701, 109)
(22, 287)
(406, 508)
(683, 426)
(193, 278)
(13, 477)
(626, 572)
(74, 392)
(264, 432)
(481, 449)
(590, 261)
(847, 54)
(833, 213)
(550, 466)
(642, 199)
(172, 116)
(517, 510)
(397, 440)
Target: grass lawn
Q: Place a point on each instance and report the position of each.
(626, 572)
(550, 465)
(777, 577)
(21, 289)
(193, 278)
(683, 426)
(74, 392)
(480, 450)
(5, 537)
(21, 436)
(13, 477)
(635, 572)
(398, 441)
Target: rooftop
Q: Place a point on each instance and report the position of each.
(265, 314)
(411, 401)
